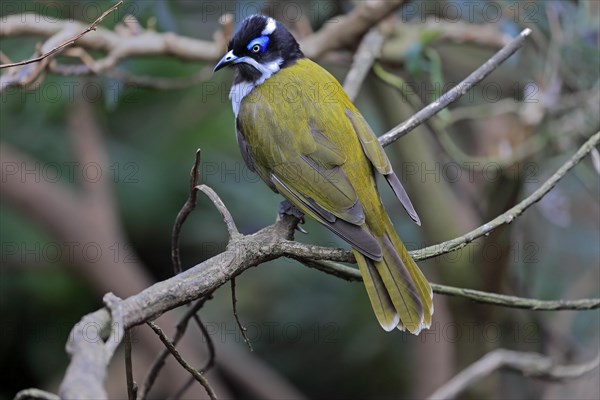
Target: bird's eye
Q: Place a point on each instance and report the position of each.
(258, 45)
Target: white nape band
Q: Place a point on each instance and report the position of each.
(271, 25)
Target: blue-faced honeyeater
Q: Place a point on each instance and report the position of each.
(299, 131)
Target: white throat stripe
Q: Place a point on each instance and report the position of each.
(242, 89)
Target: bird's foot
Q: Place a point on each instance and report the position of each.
(286, 208)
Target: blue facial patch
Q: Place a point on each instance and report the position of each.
(262, 41)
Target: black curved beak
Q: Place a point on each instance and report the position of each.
(226, 61)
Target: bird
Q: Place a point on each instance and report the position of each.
(299, 131)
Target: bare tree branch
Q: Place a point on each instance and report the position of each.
(131, 385)
(340, 32)
(35, 394)
(64, 45)
(211, 356)
(270, 243)
(227, 218)
(510, 215)
(366, 54)
(89, 354)
(241, 327)
(116, 46)
(346, 30)
(195, 373)
(181, 327)
(304, 252)
(185, 211)
(245, 251)
(352, 274)
(456, 92)
(529, 364)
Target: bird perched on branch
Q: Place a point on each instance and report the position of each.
(299, 131)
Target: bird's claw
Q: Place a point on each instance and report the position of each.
(286, 208)
(301, 229)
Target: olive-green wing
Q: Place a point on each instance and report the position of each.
(375, 153)
(302, 164)
(358, 236)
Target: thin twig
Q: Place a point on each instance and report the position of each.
(209, 363)
(319, 255)
(237, 317)
(187, 208)
(67, 43)
(353, 274)
(508, 216)
(456, 92)
(227, 218)
(35, 394)
(161, 83)
(131, 385)
(518, 302)
(159, 361)
(529, 364)
(439, 125)
(209, 344)
(195, 373)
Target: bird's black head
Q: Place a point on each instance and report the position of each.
(260, 47)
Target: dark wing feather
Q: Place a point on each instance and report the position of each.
(401, 194)
(375, 153)
(356, 235)
(244, 149)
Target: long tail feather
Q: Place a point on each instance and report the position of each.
(380, 300)
(399, 293)
(419, 280)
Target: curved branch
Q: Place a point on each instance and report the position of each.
(35, 394)
(67, 43)
(159, 361)
(366, 54)
(273, 242)
(347, 30)
(193, 371)
(89, 356)
(227, 218)
(510, 215)
(340, 32)
(185, 211)
(529, 364)
(303, 252)
(456, 92)
(353, 275)
(116, 46)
